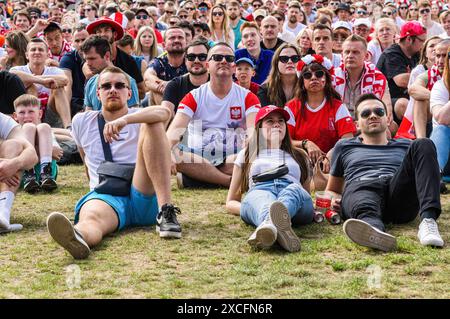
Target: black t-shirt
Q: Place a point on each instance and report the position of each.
(354, 160)
(72, 61)
(263, 96)
(279, 43)
(11, 87)
(393, 62)
(177, 88)
(128, 64)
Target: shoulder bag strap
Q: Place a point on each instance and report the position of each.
(106, 146)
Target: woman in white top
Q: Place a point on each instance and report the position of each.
(385, 31)
(219, 26)
(272, 202)
(90, 12)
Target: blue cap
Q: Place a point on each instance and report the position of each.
(246, 60)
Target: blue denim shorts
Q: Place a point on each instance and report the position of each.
(136, 209)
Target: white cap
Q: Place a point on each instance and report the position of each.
(362, 21)
(342, 24)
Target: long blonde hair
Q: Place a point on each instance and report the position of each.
(252, 150)
(225, 27)
(138, 46)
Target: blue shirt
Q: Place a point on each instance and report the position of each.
(91, 98)
(262, 65)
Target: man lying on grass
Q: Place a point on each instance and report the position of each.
(386, 181)
(98, 214)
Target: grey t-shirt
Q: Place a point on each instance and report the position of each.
(354, 160)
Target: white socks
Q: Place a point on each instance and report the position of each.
(45, 160)
(6, 202)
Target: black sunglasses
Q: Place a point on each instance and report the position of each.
(404, 8)
(378, 111)
(189, 9)
(142, 17)
(183, 17)
(66, 30)
(201, 57)
(220, 57)
(388, 13)
(217, 14)
(117, 86)
(424, 11)
(285, 59)
(318, 74)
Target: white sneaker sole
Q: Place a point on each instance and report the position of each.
(11, 228)
(168, 234)
(62, 231)
(364, 234)
(265, 238)
(286, 236)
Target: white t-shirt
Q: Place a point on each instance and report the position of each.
(435, 29)
(268, 159)
(375, 51)
(7, 124)
(86, 135)
(287, 36)
(218, 125)
(296, 30)
(43, 92)
(337, 58)
(439, 96)
(400, 22)
(418, 70)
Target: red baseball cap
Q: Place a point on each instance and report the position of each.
(412, 28)
(117, 27)
(269, 109)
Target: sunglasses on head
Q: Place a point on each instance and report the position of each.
(66, 30)
(220, 57)
(424, 11)
(201, 57)
(117, 86)
(285, 58)
(142, 17)
(378, 111)
(318, 74)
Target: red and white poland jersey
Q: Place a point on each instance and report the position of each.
(218, 123)
(324, 125)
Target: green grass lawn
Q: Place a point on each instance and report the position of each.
(213, 259)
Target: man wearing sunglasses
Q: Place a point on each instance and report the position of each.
(217, 115)
(262, 59)
(397, 61)
(433, 28)
(134, 136)
(196, 64)
(384, 181)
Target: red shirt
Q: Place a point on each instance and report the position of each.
(324, 125)
(254, 87)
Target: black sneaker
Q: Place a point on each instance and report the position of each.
(166, 222)
(30, 185)
(48, 182)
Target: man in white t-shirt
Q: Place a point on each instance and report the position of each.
(45, 82)
(16, 155)
(217, 115)
(293, 23)
(100, 213)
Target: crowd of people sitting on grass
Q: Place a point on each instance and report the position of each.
(262, 97)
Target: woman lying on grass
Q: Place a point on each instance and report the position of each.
(273, 200)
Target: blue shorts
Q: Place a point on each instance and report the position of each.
(136, 209)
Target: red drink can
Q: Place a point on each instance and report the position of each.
(333, 217)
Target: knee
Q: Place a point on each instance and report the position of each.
(424, 146)
(43, 128)
(10, 148)
(29, 128)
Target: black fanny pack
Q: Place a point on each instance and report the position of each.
(271, 174)
(114, 178)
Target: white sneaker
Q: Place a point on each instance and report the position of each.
(4, 224)
(286, 236)
(364, 234)
(264, 236)
(11, 228)
(429, 234)
(63, 232)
